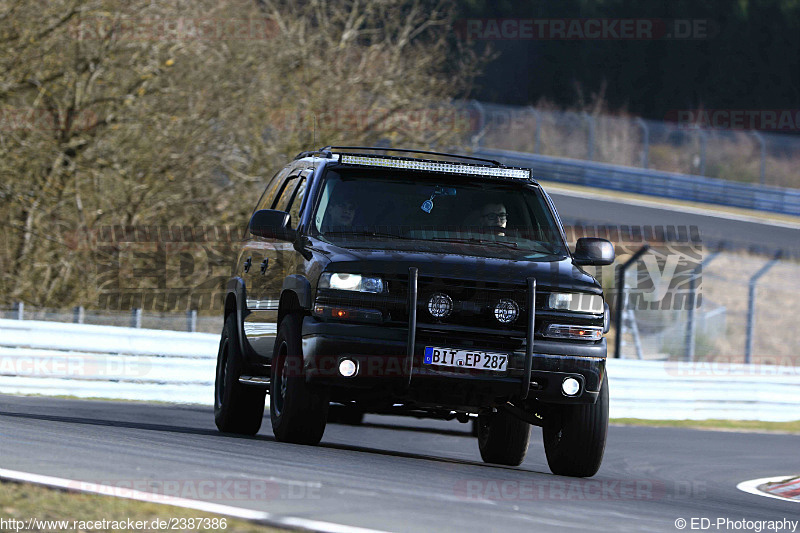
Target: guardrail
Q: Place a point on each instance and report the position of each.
(53, 359)
(652, 182)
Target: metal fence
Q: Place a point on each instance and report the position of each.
(733, 154)
(134, 318)
(746, 312)
(652, 182)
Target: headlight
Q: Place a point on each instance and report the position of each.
(577, 302)
(350, 282)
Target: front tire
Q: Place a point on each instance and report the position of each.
(574, 441)
(298, 410)
(503, 438)
(238, 408)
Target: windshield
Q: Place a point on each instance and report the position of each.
(383, 208)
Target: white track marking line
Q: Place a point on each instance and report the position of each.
(671, 207)
(751, 487)
(71, 485)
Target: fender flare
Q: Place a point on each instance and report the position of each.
(237, 288)
(301, 287)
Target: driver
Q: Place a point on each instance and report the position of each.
(492, 217)
(342, 214)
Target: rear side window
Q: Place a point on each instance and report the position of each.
(286, 194)
(269, 194)
(296, 203)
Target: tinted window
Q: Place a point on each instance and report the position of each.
(382, 204)
(296, 202)
(268, 196)
(286, 192)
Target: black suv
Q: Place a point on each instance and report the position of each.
(430, 285)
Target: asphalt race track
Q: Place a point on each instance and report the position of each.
(398, 474)
(761, 237)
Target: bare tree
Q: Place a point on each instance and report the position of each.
(164, 114)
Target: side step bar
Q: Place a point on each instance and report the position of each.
(258, 381)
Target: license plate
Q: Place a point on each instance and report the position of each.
(465, 358)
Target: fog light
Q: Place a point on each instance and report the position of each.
(506, 311)
(571, 386)
(348, 368)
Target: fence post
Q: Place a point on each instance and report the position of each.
(78, 314)
(476, 138)
(590, 136)
(20, 310)
(703, 141)
(191, 320)
(621, 296)
(136, 317)
(763, 164)
(690, 319)
(751, 305)
(537, 136)
(645, 142)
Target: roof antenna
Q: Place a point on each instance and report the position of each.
(315, 130)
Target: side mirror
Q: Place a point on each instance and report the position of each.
(593, 252)
(272, 224)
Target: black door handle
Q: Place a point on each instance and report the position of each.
(247, 263)
(264, 265)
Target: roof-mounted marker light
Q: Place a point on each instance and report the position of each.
(436, 166)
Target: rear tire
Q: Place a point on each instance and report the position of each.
(503, 438)
(298, 410)
(574, 441)
(238, 408)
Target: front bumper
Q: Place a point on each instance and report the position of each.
(381, 353)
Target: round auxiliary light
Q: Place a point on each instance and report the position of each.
(506, 311)
(440, 305)
(348, 368)
(570, 386)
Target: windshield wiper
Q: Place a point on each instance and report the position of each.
(366, 233)
(473, 240)
(546, 248)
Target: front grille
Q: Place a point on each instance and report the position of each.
(473, 302)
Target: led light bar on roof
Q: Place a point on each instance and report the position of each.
(436, 166)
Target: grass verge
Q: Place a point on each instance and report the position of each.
(24, 501)
(718, 425)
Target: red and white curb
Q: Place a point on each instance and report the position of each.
(786, 488)
(259, 517)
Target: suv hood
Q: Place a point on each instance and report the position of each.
(449, 264)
